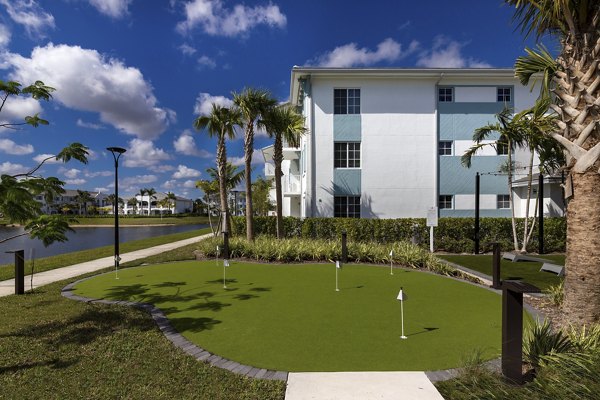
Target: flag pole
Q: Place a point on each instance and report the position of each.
(402, 318)
(391, 261)
(337, 266)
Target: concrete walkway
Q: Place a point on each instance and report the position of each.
(55, 275)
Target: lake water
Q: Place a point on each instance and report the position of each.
(82, 239)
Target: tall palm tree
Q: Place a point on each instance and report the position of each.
(283, 123)
(221, 122)
(142, 193)
(574, 80)
(132, 202)
(253, 104)
(233, 177)
(151, 195)
(171, 198)
(83, 198)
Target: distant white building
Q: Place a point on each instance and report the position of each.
(180, 205)
(387, 143)
(68, 203)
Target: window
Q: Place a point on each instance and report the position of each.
(501, 148)
(503, 201)
(445, 95)
(346, 155)
(445, 148)
(445, 201)
(346, 206)
(504, 94)
(346, 101)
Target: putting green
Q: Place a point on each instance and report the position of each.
(290, 318)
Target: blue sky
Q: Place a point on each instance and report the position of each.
(136, 73)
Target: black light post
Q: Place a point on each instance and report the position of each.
(476, 238)
(116, 152)
(541, 214)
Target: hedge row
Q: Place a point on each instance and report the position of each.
(454, 235)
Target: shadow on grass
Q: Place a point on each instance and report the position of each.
(425, 330)
(209, 306)
(187, 324)
(54, 364)
(232, 280)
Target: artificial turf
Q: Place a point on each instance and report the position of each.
(289, 317)
(529, 271)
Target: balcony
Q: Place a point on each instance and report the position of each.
(291, 185)
(269, 170)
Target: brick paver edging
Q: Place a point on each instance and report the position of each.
(179, 341)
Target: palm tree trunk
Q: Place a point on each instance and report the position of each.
(278, 159)
(221, 165)
(582, 280)
(248, 149)
(527, 203)
(511, 198)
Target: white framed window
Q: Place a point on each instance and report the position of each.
(504, 94)
(503, 201)
(346, 155)
(346, 101)
(346, 206)
(446, 202)
(445, 148)
(502, 148)
(445, 94)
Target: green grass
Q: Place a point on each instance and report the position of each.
(55, 348)
(7, 271)
(289, 317)
(526, 270)
(109, 220)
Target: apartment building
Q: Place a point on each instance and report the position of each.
(387, 143)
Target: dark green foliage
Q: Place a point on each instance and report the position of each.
(454, 235)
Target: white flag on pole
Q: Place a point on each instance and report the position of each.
(401, 295)
(338, 265)
(226, 263)
(392, 253)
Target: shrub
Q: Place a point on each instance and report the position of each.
(556, 293)
(542, 340)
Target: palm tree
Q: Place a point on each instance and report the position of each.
(233, 177)
(573, 78)
(83, 198)
(171, 198)
(525, 130)
(151, 195)
(221, 122)
(132, 202)
(111, 200)
(253, 104)
(283, 123)
(209, 188)
(142, 193)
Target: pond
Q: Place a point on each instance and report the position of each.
(82, 239)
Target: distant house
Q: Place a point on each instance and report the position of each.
(67, 203)
(180, 205)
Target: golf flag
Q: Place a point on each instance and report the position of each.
(338, 265)
(226, 263)
(392, 253)
(218, 250)
(401, 295)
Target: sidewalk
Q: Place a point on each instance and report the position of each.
(55, 275)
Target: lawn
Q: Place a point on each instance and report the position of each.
(289, 317)
(7, 271)
(528, 271)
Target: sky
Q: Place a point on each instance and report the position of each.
(137, 73)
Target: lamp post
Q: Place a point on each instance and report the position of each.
(116, 152)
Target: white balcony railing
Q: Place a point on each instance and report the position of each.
(291, 184)
(269, 169)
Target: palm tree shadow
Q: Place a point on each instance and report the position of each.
(186, 324)
(425, 330)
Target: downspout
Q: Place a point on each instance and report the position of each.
(436, 138)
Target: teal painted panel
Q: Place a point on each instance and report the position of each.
(347, 128)
(471, 213)
(346, 181)
(462, 126)
(471, 108)
(456, 179)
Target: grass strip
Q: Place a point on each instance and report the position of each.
(527, 271)
(7, 271)
(55, 348)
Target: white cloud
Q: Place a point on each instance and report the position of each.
(75, 182)
(101, 190)
(216, 20)
(187, 50)
(204, 103)
(257, 158)
(133, 184)
(51, 159)
(446, 53)
(4, 36)
(9, 147)
(120, 94)
(29, 14)
(89, 174)
(185, 172)
(89, 125)
(17, 108)
(142, 153)
(350, 55)
(72, 173)
(190, 184)
(159, 169)
(172, 184)
(185, 144)
(206, 61)
(112, 8)
(8, 168)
